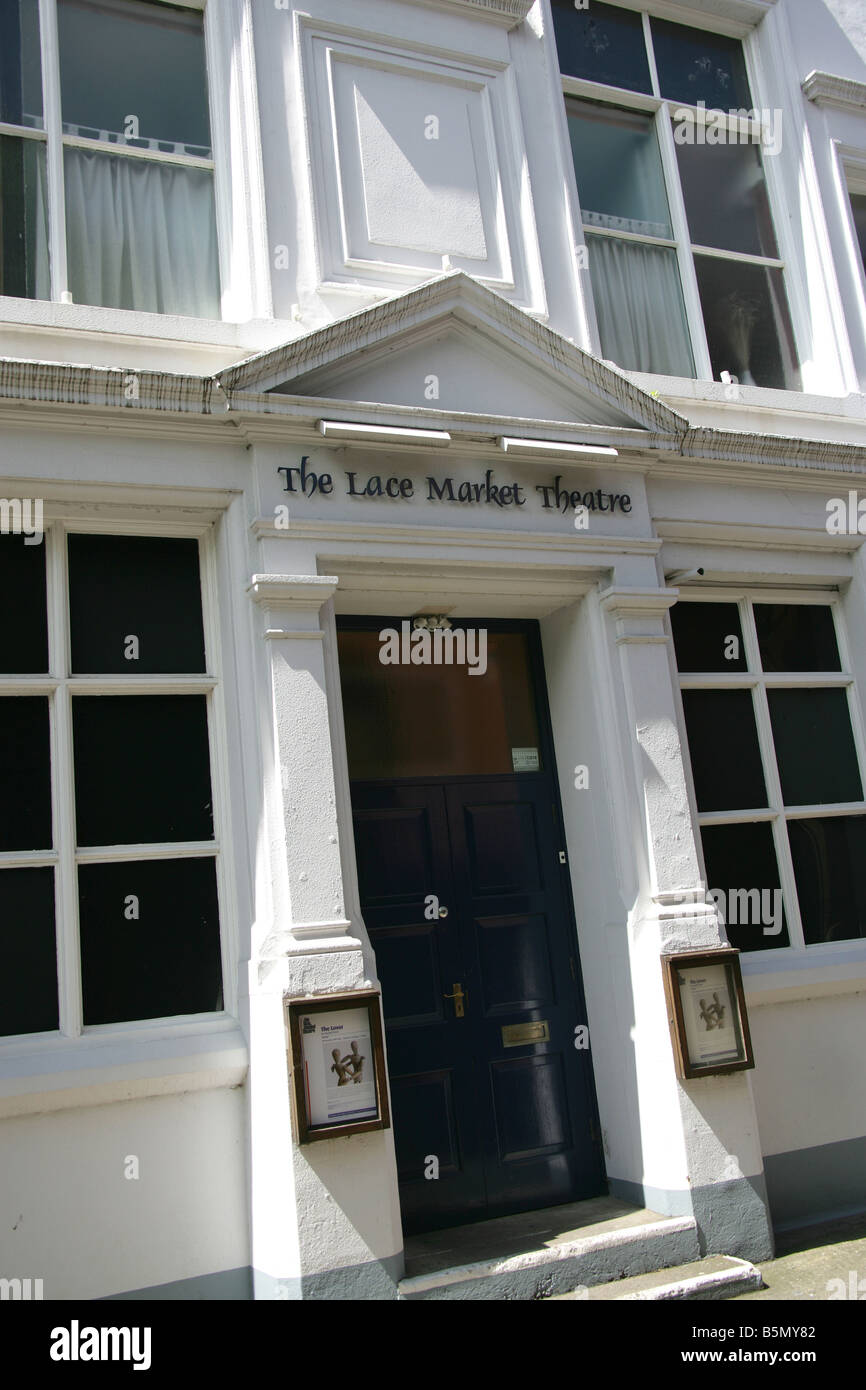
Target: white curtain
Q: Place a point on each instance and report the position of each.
(36, 184)
(141, 234)
(639, 304)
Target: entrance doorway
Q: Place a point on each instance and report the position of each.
(466, 897)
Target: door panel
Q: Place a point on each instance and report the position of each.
(537, 1129)
(401, 837)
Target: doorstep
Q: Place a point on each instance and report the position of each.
(715, 1277)
(540, 1254)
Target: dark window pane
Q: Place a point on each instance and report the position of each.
(828, 864)
(165, 960)
(393, 717)
(744, 857)
(135, 586)
(797, 637)
(23, 611)
(726, 198)
(747, 321)
(165, 263)
(25, 773)
(142, 769)
(814, 746)
(639, 305)
(618, 169)
(122, 59)
(602, 44)
(694, 66)
(28, 954)
(20, 65)
(24, 271)
(703, 634)
(723, 743)
(858, 207)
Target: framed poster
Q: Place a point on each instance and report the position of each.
(336, 1065)
(707, 1012)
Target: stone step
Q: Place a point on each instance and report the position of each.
(543, 1254)
(714, 1277)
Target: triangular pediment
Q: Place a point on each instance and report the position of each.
(453, 345)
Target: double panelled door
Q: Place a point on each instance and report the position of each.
(466, 898)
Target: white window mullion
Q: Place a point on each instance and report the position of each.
(63, 796)
(54, 131)
(773, 782)
(685, 259)
(650, 52)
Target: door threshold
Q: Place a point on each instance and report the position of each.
(540, 1253)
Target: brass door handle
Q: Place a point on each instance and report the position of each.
(458, 995)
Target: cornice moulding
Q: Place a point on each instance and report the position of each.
(128, 388)
(505, 12)
(638, 603)
(825, 89)
(298, 591)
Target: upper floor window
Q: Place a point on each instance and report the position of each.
(669, 157)
(106, 169)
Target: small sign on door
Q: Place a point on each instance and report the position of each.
(525, 759)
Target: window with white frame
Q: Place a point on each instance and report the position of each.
(856, 183)
(776, 750)
(106, 170)
(669, 157)
(108, 855)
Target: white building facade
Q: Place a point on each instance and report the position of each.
(546, 321)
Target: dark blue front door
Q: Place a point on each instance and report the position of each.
(465, 900)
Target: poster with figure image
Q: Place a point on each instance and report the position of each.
(339, 1071)
(710, 1017)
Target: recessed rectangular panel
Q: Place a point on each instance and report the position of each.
(515, 963)
(503, 848)
(529, 1099)
(424, 1124)
(28, 953)
(407, 963)
(394, 852)
(420, 193)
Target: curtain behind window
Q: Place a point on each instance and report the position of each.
(141, 235)
(639, 304)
